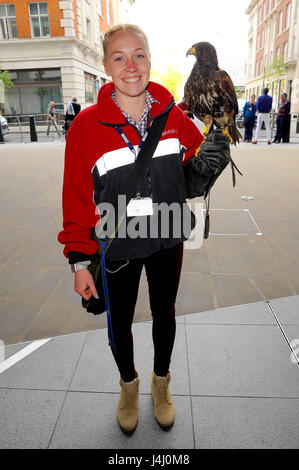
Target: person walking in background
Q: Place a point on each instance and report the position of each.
(73, 108)
(263, 107)
(283, 120)
(52, 119)
(249, 111)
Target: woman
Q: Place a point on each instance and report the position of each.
(283, 120)
(97, 164)
(52, 119)
(249, 111)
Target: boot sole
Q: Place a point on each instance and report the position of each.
(125, 431)
(165, 428)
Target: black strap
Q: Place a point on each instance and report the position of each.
(146, 153)
(142, 163)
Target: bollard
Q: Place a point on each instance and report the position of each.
(33, 135)
(1, 135)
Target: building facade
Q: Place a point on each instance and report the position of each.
(273, 40)
(53, 50)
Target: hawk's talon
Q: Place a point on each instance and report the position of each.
(225, 132)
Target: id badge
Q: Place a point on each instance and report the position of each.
(140, 206)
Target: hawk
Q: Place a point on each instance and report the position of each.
(210, 94)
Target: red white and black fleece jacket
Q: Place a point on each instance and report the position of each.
(97, 165)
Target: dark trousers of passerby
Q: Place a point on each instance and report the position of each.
(163, 271)
(248, 125)
(282, 129)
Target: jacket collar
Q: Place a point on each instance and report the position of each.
(110, 114)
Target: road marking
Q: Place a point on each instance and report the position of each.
(12, 360)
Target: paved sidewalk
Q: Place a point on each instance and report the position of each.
(234, 385)
(251, 255)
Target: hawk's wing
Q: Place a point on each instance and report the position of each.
(228, 87)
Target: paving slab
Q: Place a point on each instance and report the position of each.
(17, 312)
(240, 360)
(28, 417)
(287, 309)
(245, 423)
(88, 421)
(50, 367)
(234, 289)
(256, 313)
(96, 370)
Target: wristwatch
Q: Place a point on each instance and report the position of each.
(78, 266)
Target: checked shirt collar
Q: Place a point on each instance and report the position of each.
(142, 124)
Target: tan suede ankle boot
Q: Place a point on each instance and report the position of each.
(163, 405)
(127, 411)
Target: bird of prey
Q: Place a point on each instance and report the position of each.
(210, 93)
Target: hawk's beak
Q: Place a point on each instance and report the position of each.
(191, 51)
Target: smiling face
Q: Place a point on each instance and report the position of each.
(128, 64)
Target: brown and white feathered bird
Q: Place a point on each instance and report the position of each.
(210, 93)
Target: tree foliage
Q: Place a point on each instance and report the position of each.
(171, 78)
(5, 83)
(276, 69)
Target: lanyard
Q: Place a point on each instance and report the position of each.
(129, 144)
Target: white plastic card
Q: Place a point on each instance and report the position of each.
(140, 206)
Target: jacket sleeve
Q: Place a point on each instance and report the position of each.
(190, 136)
(79, 210)
(258, 104)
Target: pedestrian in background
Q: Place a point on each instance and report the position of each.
(283, 120)
(52, 119)
(73, 108)
(263, 107)
(249, 111)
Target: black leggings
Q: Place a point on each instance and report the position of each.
(163, 271)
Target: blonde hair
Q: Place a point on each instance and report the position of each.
(123, 27)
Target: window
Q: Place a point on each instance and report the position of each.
(280, 19)
(39, 19)
(30, 76)
(100, 7)
(285, 51)
(90, 88)
(8, 24)
(277, 53)
(288, 16)
(108, 10)
(88, 32)
(265, 6)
